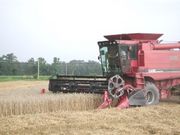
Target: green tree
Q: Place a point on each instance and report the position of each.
(10, 58)
(9, 65)
(31, 67)
(55, 67)
(43, 66)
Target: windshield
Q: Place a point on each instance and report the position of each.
(104, 60)
(110, 59)
(116, 59)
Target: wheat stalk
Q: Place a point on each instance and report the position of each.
(27, 103)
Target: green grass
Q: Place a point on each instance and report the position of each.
(23, 77)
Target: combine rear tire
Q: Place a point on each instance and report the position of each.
(151, 94)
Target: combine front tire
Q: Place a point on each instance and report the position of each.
(151, 94)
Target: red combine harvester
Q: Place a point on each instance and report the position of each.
(137, 70)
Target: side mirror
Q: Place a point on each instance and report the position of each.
(160, 41)
(99, 58)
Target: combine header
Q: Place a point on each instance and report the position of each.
(137, 70)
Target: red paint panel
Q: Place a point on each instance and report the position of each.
(162, 59)
(166, 46)
(163, 75)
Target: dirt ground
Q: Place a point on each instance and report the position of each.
(163, 118)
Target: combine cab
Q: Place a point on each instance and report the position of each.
(137, 70)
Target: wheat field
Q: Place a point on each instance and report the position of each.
(17, 105)
(23, 110)
(31, 101)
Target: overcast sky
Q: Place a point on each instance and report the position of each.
(70, 29)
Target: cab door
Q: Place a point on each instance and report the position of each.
(128, 55)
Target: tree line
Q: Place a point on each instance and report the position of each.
(9, 65)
